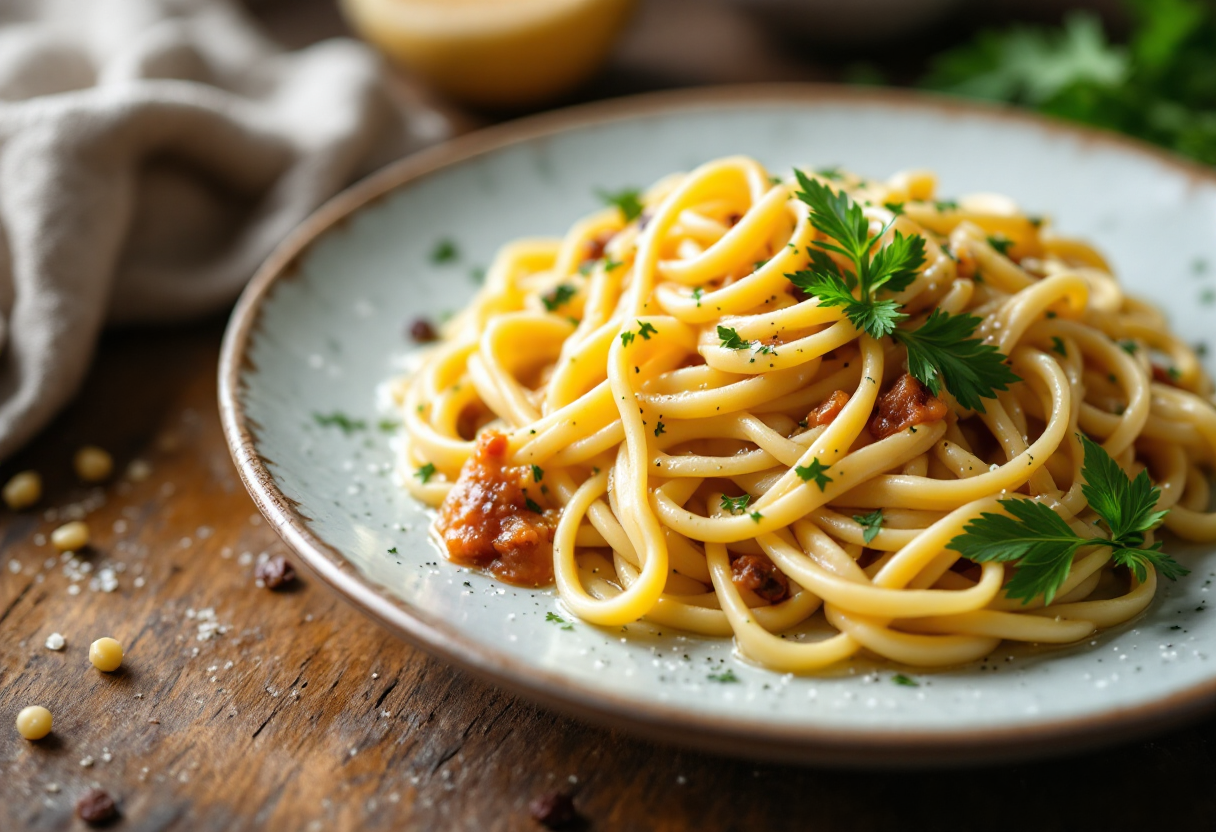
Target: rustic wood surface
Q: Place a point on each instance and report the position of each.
(301, 714)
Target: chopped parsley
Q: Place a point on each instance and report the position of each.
(627, 337)
(558, 296)
(647, 330)
(339, 420)
(393, 551)
(756, 516)
(1042, 545)
(388, 425)
(730, 339)
(696, 295)
(532, 505)
(537, 473)
(660, 429)
(905, 681)
(1057, 346)
(735, 505)
(725, 676)
(871, 524)
(425, 472)
(1001, 244)
(557, 619)
(628, 200)
(445, 251)
(814, 471)
(610, 264)
(1129, 346)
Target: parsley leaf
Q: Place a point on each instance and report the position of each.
(734, 505)
(1001, 244)
(660, 429)
(647, 330)
(731, 340)
(627, 200)
(627, 337)
(557, 619)
(537, 473)
(942, 351)
(905, 681)
(892, 267)
(1043, 545)
(558, 296)
(532, 505)
(727, 675)
(445, 251)
(696, 295)
(872, 524)
(1057, 346)
(756, 516)
(814, 471)
(425, 472)
(1126, 506)
(1035, 536)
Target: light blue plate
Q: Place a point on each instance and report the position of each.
(322, 325)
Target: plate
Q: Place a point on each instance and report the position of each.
(321, 326)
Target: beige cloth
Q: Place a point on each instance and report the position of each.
(152, 153)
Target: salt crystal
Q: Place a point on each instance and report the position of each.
(55, 641)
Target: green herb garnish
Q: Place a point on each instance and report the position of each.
(339, 420)
(814, 471)
(730, 339)
(1042, 545)
(445, 251)
(943, 351)
(871, 524)
(735, 505)
(558, 296)
(628, 201)
(891, 268)
(425, 472)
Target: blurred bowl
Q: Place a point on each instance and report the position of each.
(494, 53)
(848, 22)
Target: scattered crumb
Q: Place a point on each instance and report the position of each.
(86, 762)
(55, 642)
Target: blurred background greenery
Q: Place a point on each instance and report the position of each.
(1142, 67)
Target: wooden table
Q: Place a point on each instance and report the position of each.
(303, 715)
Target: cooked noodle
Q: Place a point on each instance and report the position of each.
(644, 532)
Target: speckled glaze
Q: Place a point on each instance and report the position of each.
(322, 325)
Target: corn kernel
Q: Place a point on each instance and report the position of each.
(71, 537)
(23, 490)
(93, 464)
(106, 654)
(34, 722)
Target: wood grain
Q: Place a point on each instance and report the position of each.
(305, 716)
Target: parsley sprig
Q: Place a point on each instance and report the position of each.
(890, 268)
(942, 350)
(1043, 546)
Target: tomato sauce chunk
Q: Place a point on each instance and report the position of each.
(761, 576)
(907, 403)
(828, 410)
(486, 520)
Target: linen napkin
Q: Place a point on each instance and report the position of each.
(152, 153)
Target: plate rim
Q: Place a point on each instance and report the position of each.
(734, 736)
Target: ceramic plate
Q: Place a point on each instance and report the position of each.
(322, 325)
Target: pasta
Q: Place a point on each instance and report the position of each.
(652, 412)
